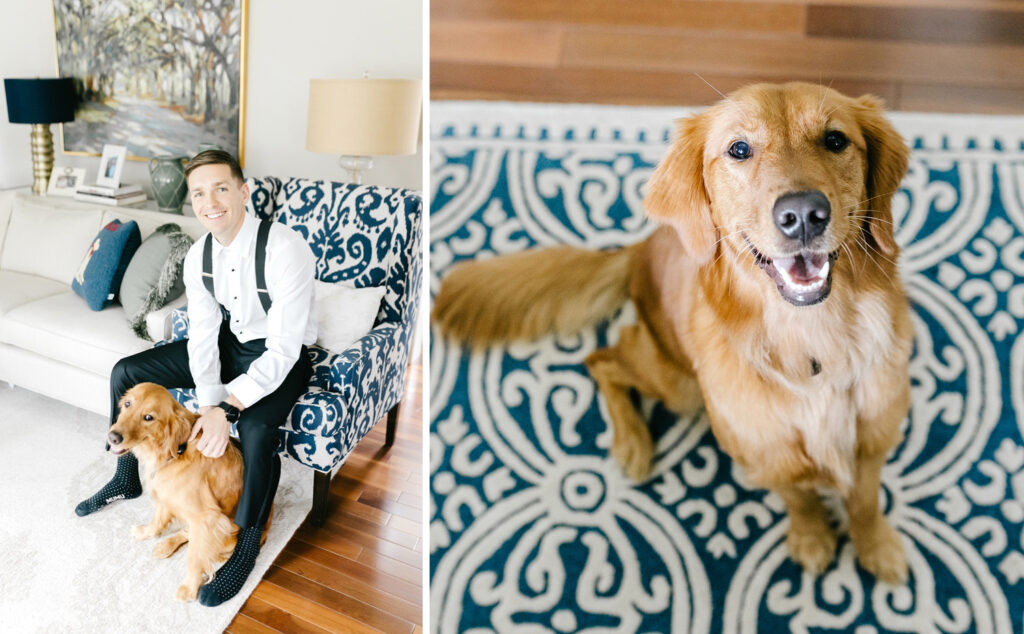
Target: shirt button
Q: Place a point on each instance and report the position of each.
(232, 270)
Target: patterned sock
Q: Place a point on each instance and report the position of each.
(232, 575)
(123, 486)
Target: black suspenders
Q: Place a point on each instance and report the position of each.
(262, 235)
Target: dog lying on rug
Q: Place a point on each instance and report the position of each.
(201, 493)
(770, 293)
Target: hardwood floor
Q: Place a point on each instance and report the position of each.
(362, 571)
(931, 55)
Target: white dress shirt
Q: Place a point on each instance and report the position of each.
(290, 323)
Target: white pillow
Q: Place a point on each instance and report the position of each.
(344, 314)
(48, 242)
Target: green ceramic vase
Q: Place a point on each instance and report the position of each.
(169, 187)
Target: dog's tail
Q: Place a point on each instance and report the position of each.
(533, 293)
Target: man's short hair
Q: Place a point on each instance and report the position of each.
(215, 157)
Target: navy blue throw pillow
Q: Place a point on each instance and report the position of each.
(99, 276)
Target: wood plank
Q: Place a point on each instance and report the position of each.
(277, 619)
(368, 534)
(334, 543)
(600, 85)
(243, 624)
(351, 586)
(944, 26)
(985, 5)
(291, 602)
(339, 609)
(781, 58)
(412, 527)
(945, 98)
(533, 44)
(391, 506)
(786, 17)
(393, 567)
(411, 499)
(411, 592)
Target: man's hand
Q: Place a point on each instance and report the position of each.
(216, 432)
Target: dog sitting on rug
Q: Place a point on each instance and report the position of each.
(770, 293)
(201, 493)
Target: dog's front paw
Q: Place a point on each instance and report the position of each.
(880, 551)
(186, 593)
(812, 545)
(634, 453)
(142, 531)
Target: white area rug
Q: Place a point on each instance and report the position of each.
(64, 573)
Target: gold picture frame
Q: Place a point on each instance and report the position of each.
(153, 77)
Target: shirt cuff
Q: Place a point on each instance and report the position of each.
(210, 394)
(246, 389)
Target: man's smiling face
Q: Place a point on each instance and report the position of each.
(218, 200)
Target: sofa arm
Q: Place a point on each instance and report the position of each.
(159, 322)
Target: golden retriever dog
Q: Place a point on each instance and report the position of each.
(201, 493)
(769, 292)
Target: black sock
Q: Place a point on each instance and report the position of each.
(232, 575)
(124, 485)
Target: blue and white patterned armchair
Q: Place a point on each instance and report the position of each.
(364, 236)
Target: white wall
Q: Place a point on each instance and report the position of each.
(289, 43)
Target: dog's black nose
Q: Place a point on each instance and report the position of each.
(114, 438)
(802, 215)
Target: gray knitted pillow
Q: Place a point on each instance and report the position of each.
(154, 275)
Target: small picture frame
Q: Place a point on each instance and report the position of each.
(65, 180)
(111, 165)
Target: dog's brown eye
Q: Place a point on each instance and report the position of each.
(740, 150)
(148, 417)
(127, 404)
(836, 141)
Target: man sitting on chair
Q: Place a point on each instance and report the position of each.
(245, 355)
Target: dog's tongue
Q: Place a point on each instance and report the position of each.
(805, 268)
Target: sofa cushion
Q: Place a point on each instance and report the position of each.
(17, 289)
(103, 265)
(61, 327)
(47, 242)
(154, 275)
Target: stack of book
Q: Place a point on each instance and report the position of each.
(120, 196)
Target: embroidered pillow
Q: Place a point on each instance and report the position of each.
(154, 275)
(345, 314)
(99, 275)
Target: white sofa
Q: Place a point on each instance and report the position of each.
(50, 341)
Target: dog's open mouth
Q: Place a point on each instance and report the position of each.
(803, 279)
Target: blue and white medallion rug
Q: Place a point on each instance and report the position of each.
(534, 528)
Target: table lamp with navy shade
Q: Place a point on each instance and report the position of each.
(40, 102)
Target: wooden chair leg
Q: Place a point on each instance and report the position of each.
(389, 439)
(321, 486)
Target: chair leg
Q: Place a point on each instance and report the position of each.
(321, 486)
(389, 439)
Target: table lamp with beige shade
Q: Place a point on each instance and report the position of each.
(363, 118)
(40, 102)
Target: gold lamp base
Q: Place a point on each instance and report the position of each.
(42, 157)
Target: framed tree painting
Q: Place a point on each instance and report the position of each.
(156, 76)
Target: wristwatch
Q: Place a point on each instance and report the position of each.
(230, 411)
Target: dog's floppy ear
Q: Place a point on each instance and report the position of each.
(179, 424)
(676, 194)
(887, 163)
